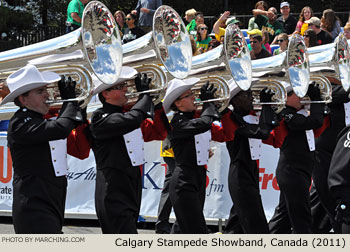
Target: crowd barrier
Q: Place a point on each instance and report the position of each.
(82, 174)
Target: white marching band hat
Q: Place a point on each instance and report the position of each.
(234, 88)
(176, 87)
(27, 78)
(126, 73)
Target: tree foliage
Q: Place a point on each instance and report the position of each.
(53, 12)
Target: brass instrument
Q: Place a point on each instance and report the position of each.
(291, 66)
(334, 57)
(163, 53)
(221, 97)
(325, 87)
(230, 60)
(279, 98)
(95, 48)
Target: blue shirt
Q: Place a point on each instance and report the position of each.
(146, 19)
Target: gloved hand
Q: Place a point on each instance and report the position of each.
(207, 91)
(314, 92)
(67, 87)
(142, 82)
(266, 95)
(343, 212)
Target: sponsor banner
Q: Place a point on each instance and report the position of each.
(82, 175)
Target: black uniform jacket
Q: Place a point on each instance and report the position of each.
(109, 124)
(339, 171)
(239, 148)
(327, 141)
(28, 138)
(295, 149)
(184, 128)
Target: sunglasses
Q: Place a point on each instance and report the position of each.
(280, 40)
(118, 87)
(254, 41)
(306, 36)
(186, 96)
(203, 28)
(128, 19)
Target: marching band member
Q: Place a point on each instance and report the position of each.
(247, 130)
(39, 150)
(339, 180)
(118, 140)
(339, 117)
(294, 169)
(190, 137)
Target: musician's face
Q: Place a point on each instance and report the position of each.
(185, 102)
(293, 101)
(116, 95)
(35, 100)
(243, 101)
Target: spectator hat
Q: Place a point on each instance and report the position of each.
(255, 32)
(232, 20)
(126, 73)
(314, 20)
(175, 88)
(25, 79)
(284, 4)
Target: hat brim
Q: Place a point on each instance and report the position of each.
(127, 73)
(172, 94)
(48, 77)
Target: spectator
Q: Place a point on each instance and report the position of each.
(282, 40)
(323, 37)
(347, 30)
(145, 10)
(310, 38)
(257, 52)
(190, 18)
(119, 17)
(203, 40)
(305, 14)
(289, 22)
(213, 43)
(133, 31)
(261, 5)
(220, 31)
(199, 18)
(267, 21)
(330, 22)
(194, 47)
(265, 39)
(75, 14)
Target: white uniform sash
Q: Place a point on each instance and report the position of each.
(135, 146)
(254, 144)
(202, 143)
(310, 137)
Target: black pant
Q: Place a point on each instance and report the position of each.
(38, 204)
(118, 200)
(71, 27)
(187, 195)
(243, 182)
(322, 204)
(164, 208)
(294, 181)
(280, 223)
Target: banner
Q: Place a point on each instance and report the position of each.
(82, 175)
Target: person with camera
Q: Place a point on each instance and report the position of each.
(39, 150)
(118, 136)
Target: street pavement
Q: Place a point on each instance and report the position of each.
(75, 226)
